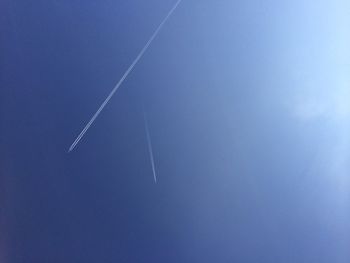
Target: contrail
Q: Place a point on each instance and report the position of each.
(120, 82)
(150, 150)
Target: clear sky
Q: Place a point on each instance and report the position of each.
(248, 111)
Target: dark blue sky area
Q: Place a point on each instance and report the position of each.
(248, 112)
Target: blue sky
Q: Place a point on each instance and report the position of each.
(248, 112)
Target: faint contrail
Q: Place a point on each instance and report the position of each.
(123, 77)
(150, 150)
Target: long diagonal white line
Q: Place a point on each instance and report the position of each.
(120, 82)
(150, 150)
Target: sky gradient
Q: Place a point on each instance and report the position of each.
(248, 112)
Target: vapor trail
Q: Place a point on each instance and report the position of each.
(150, 150)
(144, 49)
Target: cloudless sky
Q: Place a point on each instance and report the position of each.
(248, 112)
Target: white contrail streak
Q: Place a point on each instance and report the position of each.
(150, 150)
(144, 49)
